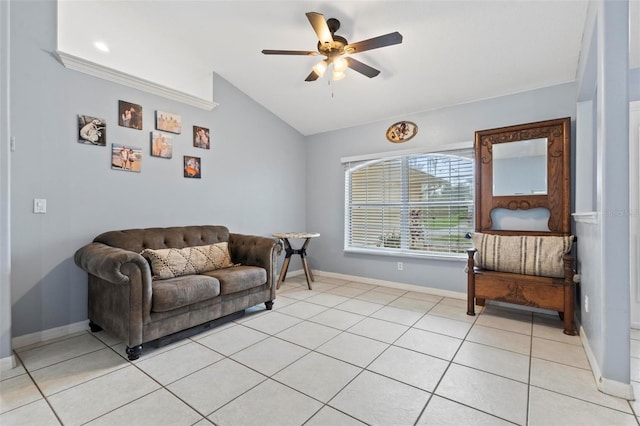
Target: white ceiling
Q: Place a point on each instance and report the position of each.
(453, 51)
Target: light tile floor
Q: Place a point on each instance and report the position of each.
(346, 353)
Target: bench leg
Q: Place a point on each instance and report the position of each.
(471, 295)
(569, 326)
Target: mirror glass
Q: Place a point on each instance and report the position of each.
(520, 168)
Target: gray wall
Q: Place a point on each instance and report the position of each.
(325, 178)
(634, 84)
(5, 234)
(603, 243)
(249, 177)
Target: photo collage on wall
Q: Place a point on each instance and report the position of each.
(128, 157)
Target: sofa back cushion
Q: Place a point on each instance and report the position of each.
(179, 237)
(527, 255)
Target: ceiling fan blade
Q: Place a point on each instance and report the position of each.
(290, 52)
(312, 77)
(363, 69)
(374, 43)
(320, 26)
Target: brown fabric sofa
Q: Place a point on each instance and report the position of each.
(129, 303)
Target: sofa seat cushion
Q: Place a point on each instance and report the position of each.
(174, 293)
(238, 278)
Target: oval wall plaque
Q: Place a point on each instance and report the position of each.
(401, 131)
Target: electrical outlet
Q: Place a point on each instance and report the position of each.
(586, 303)
(400, 266)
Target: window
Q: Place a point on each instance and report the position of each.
(416, 204)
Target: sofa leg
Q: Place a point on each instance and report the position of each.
(269, 305)
(94, 327)
(134, 352)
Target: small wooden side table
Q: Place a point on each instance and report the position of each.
(302, 251)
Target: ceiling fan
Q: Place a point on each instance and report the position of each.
(335, 47)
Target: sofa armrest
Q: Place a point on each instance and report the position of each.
(120, 290)
(106, 262)
(253, 250)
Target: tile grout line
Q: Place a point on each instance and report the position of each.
(444, 373)
(362, 369)
(449, 361)
(160, 384)
(526, 419)
(323, 404)
(584, 400)
(46, 400)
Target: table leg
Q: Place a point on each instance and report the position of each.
(285, 265)
(305, 265)
(287, 259)
(307, 272)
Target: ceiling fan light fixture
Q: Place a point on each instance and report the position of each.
(333, 47)
(320, 68)
(339, 65)
(338, 75)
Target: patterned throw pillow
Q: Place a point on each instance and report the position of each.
(527, 255)
(170, 263)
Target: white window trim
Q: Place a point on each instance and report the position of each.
(398, 153)
(448, 257)
(442, 148)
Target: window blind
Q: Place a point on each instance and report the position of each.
(420, 203)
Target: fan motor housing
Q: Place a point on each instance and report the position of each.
(336, 47)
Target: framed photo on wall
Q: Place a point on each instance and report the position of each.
(161, 145)
(129, 115)
(192, 167)
(168, 122)
(126, 157)
(92, 130)
(201, 137)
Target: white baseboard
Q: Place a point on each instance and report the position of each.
(7, 363)
(52, 333)
(392, 284)
(610, 387)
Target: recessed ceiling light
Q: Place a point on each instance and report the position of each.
(101, 46)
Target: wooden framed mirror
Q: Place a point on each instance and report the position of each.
(526, 167)
(522, 169)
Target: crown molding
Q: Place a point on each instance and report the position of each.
(79, 64)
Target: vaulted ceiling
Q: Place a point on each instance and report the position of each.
(453, 51)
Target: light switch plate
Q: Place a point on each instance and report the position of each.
(39, 205)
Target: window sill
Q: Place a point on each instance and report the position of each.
(430, 256)
(586, 217)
